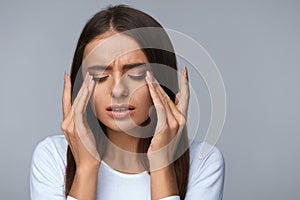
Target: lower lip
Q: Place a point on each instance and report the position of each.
(120, 115)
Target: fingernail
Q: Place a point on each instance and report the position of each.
(148, 80)
(91, 84)
(151, 78)
(186, 73)
(91, 78)
(148, 76)
(86, 76)
(66, 76)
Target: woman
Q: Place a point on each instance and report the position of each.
(124, 127)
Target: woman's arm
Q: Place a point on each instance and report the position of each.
(47, 170)
(206, 174)
(163, 183)
(171, 118)
(85, 183)
(80, 139)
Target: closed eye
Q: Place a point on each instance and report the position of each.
(137, 77)
(99, 79)
(134, 77)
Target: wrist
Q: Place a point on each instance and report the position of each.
(85, 182)
(87, 169)
(164, 182)
(159, 163)
(166, 170)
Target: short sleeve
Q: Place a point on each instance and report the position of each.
(47, 172)
(206, 180)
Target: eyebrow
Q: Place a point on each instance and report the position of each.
(126, 66)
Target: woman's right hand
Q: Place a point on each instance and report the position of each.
(75, 127)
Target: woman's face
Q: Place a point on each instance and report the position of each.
(121, 99)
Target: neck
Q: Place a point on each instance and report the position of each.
(123, 140)
(122, 152)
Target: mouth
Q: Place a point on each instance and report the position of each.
(120, 110)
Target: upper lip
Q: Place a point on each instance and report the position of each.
(109, 108)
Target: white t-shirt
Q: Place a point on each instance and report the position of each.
(47, 173)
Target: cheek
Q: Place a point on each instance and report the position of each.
(143, 97)
(147, 97)
(97, 99)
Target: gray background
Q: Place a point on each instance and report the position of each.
(255, 44)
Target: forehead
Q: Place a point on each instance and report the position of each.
(107, 49)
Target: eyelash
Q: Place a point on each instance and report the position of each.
(139, 77)
(100, 79)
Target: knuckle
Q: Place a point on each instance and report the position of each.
(174, 125)
(69, 130)
(66, 128)
(164, 129)
(63, 126)
(78, 119)
(77, 111)
(166, 98)
(181, 120)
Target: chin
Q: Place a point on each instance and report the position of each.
(125, 125)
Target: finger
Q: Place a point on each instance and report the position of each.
(91, 89)
(176, 124)
(71, 141)
(84, 84)
(65, 133)
(66, 99)
(173, 117)
(66, 128)
(170, 106)
(165, 99)
(68, 114)
(176, 113)
(86, 94)
(161, 115)
(177, 98)
(184, 92)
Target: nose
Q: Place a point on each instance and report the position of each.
(120, 89)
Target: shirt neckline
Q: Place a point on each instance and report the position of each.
(121, 173)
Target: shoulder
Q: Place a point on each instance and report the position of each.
(52, 143)
(47, 169)
(203, 152)
(51, 149)
(207, 164)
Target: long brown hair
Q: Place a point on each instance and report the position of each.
(121, 18)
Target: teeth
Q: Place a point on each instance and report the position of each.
(119, 109)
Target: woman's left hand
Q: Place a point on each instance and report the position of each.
(171, 119)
